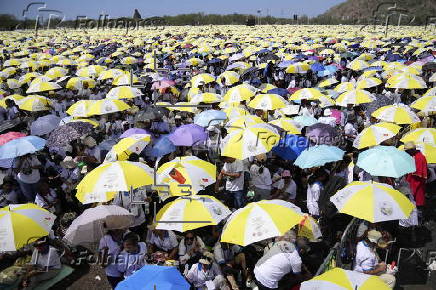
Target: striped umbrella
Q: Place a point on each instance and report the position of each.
(261, 220)
(189, 213)
(375, 134)
(22, 224)
(397, 113)
(372, 201)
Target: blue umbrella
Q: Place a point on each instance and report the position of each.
(290, 147)
(318, 156)
(285, 63)
(155, 277)
(386, 161)
(162, 146)
(21, 146)
(305, 120)
(210, 118)
(279, 91)
(317, 67)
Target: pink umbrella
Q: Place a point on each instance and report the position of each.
(5, 138)
(163, 84)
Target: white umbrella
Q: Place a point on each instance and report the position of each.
(90, 226)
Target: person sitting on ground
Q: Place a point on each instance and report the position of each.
(367, 260)
(206, 274)
(44, 265)
(191, 248)
(162, 241)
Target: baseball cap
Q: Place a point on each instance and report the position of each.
(374, 236)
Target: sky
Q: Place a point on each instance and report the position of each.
(148, 8)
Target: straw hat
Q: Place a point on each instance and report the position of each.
(409, 145)
(374, 236)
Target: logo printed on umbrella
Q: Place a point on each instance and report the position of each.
(386, 208)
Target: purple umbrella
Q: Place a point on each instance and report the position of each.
(133, 131)
(322, 134)
(188, 135)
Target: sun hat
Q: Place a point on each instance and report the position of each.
(409, 145)
(68, 162)
(374, 236)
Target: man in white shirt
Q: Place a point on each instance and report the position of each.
(327, 118)
(161, 240)
(281, 259)
(233, 172)
(206, 274)
(44, 265)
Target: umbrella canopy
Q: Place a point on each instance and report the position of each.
(190, 213)
(375, 134)
(290, 147)
(386, 161)
(354, 97)
(5, 138)
(90, 226)
(372, 201)
(309, 228)
(133, 131)
(405, 81)
(243, 122)
(44, 125)
(340, 279)
(239, 93)
(123, 92)
(398, 114)
(188, 170)
(155, 277)
(306, 94)
(318, 155)
(287, 124)
(188, 135)
(305, 120)
(36, 87)
(261, 220)
(63, 135)
(116, 176)
(106, 106)
(268, 102)
(132, 144)
(162, 146)
(21, 146)
(251, 141)
(36, 221)
(208, 98)
(34, 103)
(210, 118)
(426, 104)
(420, 135)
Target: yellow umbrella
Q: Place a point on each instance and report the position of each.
(116, 176)
(42, 87)
(306, 94)
(406, 81)
(34, 103)
(80, 108)
(340, 279)
(132, 144)
(354, 97)
(298, 67)
(261, 220)
(107, 106)
(23, 224)
(426, 104)
(398, 114)
(230, 77)
(287, 124)
(268, 102)
(375, 134)
(239, 93)
(123, 92)
(207, 98)
(428, 149)
(76, 83)
(420, 135)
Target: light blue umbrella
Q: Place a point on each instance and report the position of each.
(318, 156)
(305, 120)
(210, 118)
(151, 277)
(386, 161)
(21, 146)
(162, 146)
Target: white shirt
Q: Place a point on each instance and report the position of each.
(113, 249)
(260, 180)
(366, 258)
(291, 187)
(271, 270)
(169, 242)
(184, 249)
(350, 130)
(198, 277)
(313, 192)
(51, 259)
(234, 184)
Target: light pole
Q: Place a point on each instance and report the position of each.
(259, 15)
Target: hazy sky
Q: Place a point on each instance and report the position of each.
(147, 8)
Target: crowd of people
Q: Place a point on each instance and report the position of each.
(49, 177)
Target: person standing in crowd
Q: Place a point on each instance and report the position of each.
(109, 248)
(233, 173)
